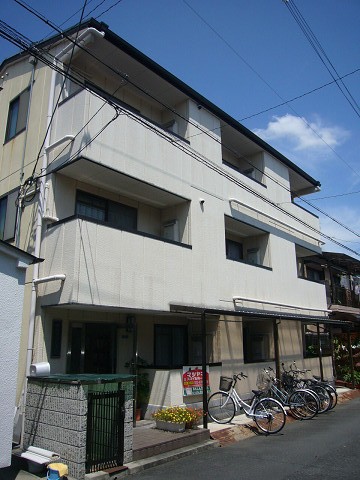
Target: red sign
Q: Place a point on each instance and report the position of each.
(193, 380)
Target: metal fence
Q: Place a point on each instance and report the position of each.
(105, 430)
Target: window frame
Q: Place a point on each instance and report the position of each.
(15, 126)
(106, 207)
(311, 350)
(171, 362)
(8, 215)
(233, 243)
(250, 334)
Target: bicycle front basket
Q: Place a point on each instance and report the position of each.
(263, 382)
(225, 383)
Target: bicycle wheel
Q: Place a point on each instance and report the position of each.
(221, 407)
(334, 395)
(269, 415)
(325, 399)
(303, 404)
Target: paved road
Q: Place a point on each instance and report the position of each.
(326, 447)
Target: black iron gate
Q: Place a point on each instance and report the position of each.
(105, 430)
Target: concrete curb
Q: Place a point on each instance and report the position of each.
(140, 465)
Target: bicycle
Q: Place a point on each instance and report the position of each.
(268, 413)
(302, 403)
(291, 381)
(316, 381)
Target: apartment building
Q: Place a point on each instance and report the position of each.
(150, 207)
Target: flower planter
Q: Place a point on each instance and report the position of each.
(170, 426)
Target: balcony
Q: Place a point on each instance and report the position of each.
(108, 267)
(121, 140)
(343, 297)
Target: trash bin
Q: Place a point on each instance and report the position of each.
(56, 471)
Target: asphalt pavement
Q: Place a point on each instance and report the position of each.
(325, 447)
(303, 449)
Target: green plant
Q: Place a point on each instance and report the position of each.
(348, 377)
(142, 389)
(142, 380)
(188, 415)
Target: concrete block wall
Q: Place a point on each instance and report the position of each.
(56, 419)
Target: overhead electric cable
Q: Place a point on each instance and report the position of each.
(243, 185)
(108, 9)
(286, 102)
(61, 90)
(319, 50)
(267, 83)
(334, 196)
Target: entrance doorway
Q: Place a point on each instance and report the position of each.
(92, 348)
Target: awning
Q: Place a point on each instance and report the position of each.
(253, 312)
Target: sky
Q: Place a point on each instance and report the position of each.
(252, 59)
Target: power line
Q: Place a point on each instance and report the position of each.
(61, 90)
(268, 85)
(319, 50)
(335, 196)
(286, 102)
(219, 170)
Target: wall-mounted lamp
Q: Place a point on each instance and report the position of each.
(201, 201)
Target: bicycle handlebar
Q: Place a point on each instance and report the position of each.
(240, 375)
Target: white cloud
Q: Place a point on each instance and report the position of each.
(302, 134)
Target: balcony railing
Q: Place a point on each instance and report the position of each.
(345, 297)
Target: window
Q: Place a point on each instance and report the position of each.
(258, 341)
(246, 243)
(311, 341)
(234, 250)
(3, 204)
(106, 211)
(56, 335)
(8, 213)
(17, 116)
(171, 346)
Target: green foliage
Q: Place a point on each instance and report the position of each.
(348, 378)
(143, 389)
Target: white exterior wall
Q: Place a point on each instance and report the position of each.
(136, 272)
(12, 279)
(112, 268)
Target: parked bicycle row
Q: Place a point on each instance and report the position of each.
(303, 396)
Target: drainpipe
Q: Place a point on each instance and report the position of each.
(84, 37)
(32, 60)
(276, 346)
(320, 352)
(203, 358)
(351, 359)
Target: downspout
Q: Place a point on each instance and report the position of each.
(20, 205)
(203, 358)
(40, 212)
(276, 347)
(86, 35)
(320, 352)
(351, 358)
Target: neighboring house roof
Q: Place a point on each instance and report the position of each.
(181, 86)
(350, 264)
(12, 250)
